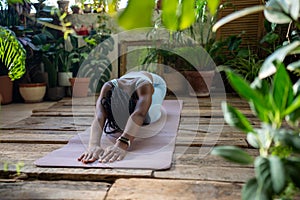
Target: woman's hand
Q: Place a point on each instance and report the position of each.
(112, 153)
(91, 155)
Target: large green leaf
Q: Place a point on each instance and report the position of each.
(249, 189)
(233, 154)
(261, 85)
(252, 191)
(235, 118)
(257, 102)
(268, 68)
(137, 14)
(295, 105)
(169, 15)
(262, 171)
(187, 17)
(278, 11)
(252, 139)
(278, 174)
(242, 87)
(213, 6)
(12, 53)
(282, 89)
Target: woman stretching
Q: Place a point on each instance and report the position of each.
(124, 105)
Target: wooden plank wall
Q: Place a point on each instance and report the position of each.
(253, 24)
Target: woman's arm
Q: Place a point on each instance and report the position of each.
(94, 150)
(137, 118)
(135, 121)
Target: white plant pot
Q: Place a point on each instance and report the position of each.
(63, 78)
(32, 92)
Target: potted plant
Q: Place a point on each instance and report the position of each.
(75, 9)
(80, 85)
(191, 62)
(81, 60)
(276, 104)
(9, 44)
(206, 54)
(63, 5)
(87, 6)
(246, 64)
(50, 62)
(91, 61)
(9, 17)
(198, 68)
(63, 62)
(12, 62)
(173, 75)
(32, 85)
(21, 10)
(54, 91)
(71, 58)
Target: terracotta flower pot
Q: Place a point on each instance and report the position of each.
(6, 90)
(32, 92)
(200, 82)
(176, 83)
(80, 86)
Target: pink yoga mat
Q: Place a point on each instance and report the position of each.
(153, 152)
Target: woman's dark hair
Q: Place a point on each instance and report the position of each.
(118, 106)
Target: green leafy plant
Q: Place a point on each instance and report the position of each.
(49, 47)
(201, 29)
(176, 15)
(8, 15)
(12, 53)
(246, 64)
(278, 12)
(75, 6)
(278, 143)
(96, 64)
(277, 105)
(185, 49)
(18, 166)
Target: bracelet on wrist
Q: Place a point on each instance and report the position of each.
(124, 140)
